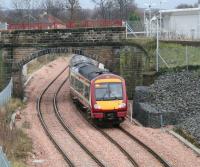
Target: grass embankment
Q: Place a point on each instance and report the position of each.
(41, 61)
(175, 55)
(187, 136)
(15, 143)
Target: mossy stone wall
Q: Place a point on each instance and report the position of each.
(131, 68)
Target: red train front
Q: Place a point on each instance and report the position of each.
(103, 94)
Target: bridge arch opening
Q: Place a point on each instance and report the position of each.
(17, 70)
(126, 60)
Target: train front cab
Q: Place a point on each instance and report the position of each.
(108, 99)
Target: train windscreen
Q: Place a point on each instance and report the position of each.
(108, 91)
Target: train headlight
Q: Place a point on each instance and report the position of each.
(96, 106)
(123, 105)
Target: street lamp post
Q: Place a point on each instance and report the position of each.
(146, 24)
(160, 12)
(149, 6)
(150, 28)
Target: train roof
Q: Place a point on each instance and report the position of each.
(86, 67)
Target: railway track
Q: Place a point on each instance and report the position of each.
(49, 134)
(68, 129)
(159, 158)
(129, 157)
(47, 130)
(153, 153)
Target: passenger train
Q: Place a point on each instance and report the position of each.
(100, 92)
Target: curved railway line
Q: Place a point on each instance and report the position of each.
(105, 134)
(108, 137)
(50, 135)
(68, 129)
(147, 148)
(153, 153)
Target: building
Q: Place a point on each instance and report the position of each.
(3, 26)
(180, 24)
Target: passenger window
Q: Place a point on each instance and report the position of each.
(79, 87)
(86, 92)
(76, 85)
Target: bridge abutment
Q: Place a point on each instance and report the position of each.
(18, 85)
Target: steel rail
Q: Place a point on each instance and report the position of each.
(130, 158)
(159, 158)
(59, 117)
(49, 134)
(109, 138)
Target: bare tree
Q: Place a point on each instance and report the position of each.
(109, 9)
(18, 5)
(114, 8)
(123, 6)
(52, 7)
(103, 6)
(73, 7)
(24, 9)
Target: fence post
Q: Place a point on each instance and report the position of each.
(161, 120)
(157, 45)
(186, 56)
(126, 30)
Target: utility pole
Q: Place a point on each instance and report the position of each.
(157, 45)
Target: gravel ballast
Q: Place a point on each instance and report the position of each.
(175, 93)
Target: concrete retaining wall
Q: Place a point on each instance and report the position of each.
(6, 93)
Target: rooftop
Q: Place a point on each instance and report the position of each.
(180, 10)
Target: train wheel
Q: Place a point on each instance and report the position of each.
(116, 124)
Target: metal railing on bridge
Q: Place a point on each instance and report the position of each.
(6, 94)
(3, 159)
(68, 25)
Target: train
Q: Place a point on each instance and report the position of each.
(101, 93)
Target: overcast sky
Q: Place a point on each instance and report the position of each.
(166, 5)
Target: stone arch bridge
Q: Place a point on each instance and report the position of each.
(21, 46)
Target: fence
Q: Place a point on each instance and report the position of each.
(177, 55)
(69, 24)
(3, 159)
(180, 34)
(6, 94)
